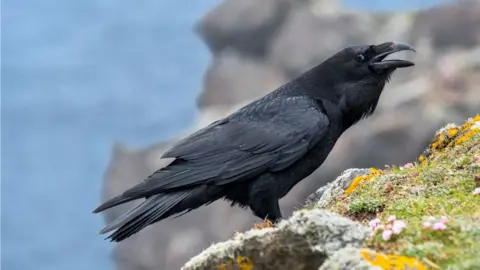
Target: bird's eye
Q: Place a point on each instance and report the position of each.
(359, 57)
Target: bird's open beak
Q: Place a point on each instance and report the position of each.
(383, 50)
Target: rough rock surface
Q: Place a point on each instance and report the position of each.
(302, 242)
(443, 87)
(258, 78)
(316, 237)
(233, 23)
(347, 259)
(326, 194)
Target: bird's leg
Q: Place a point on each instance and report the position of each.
(265, 224)
(269, 211)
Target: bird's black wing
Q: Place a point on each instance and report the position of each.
(268, 135)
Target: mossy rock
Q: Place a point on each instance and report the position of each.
(331, 231)
(440, 183)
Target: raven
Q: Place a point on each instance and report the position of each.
(254, 156)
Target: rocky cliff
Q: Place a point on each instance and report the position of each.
(421, 215)
(258, 45)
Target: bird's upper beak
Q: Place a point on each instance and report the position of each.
(383, 50)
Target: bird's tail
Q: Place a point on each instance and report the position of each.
(158, 207)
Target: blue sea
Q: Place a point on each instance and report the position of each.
(76, 77)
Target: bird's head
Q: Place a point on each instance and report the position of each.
(358, 75)
(369, 61)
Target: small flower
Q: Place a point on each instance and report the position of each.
(427, 225)
(439, 226)
(443, 219)
(387, 234)
(476, 191)
(431, 219)
(391, 218)
(406, 166)
(398, 226)
(374, 223)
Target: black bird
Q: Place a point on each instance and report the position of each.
(257, 154)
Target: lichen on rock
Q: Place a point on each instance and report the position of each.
(302, 242)
(435, 199)
(441, 183)
(348, 259)
(332, 191)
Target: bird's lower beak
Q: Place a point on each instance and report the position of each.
(383, 50)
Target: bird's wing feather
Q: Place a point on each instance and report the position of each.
(264, 136)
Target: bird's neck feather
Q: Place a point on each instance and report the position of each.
(356, 100)
(359, 100)
(316, 84)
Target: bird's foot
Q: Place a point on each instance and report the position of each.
(265, 224)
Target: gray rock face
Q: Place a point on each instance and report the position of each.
(275, 41)
(303, 242)
(444, 33)
(319, 37)
(347, 259)
(244, 25)
(326, 194)
(221, 84)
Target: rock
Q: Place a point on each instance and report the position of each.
(300, 243)
(126, 168)
(326, 194)
(347, 259)
(233, 79)
(249, 61)
(444, 33)
(306, 39)
(169, 244)
(233, 23)
(321, 239)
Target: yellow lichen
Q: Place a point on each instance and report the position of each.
(465, 137)
(450, 136)
(357, 180)
(422, 159)
(391, 262)
(452, 132)
(241, 263)
(244, 263)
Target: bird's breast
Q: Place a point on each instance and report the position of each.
(306, 165)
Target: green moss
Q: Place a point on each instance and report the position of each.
(455, 246)
(440, 184)
(365, 205)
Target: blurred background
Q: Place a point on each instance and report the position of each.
(94, 91)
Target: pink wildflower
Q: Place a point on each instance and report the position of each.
(427, 225)
(387, 234)
(439, 226)
(374, 223)
(443, 219)
(398, 226)
(391, 218)
(476, 191)
(406, 166)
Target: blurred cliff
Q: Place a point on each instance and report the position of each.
(259, 45)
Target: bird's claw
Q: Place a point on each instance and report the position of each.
(265, 224)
